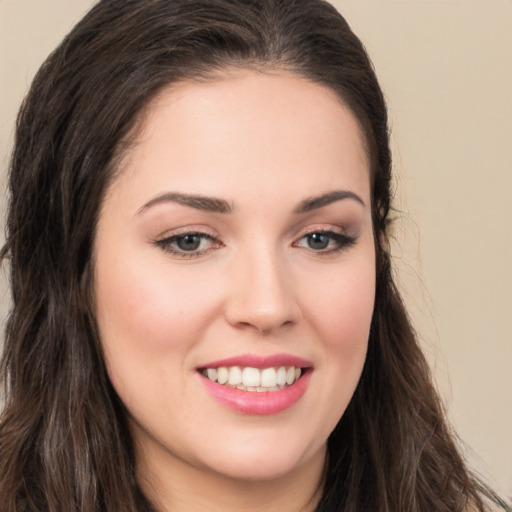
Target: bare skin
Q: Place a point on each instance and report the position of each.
(195, 491)
(238, 228)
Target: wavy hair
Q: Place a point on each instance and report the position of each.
(64, 441)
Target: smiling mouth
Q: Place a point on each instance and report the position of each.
(252, 379)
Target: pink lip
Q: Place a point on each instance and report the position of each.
(253, 402)
(256, 361)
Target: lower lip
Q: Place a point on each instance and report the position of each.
(258, 403)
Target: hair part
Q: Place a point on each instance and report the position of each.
(64, 441)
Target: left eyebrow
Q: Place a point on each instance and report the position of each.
(204, 203)
(316, 202)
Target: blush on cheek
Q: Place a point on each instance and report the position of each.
(350, 317)
(152, 309)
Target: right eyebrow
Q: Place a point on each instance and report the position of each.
(314, 203)
(204, 203)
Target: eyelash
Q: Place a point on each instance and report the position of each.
(168, 244)
(342, 241)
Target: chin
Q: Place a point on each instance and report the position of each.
(264, 465)
(260, 471)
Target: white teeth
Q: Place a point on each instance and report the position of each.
(235, 376)
(254, 379)
(212, 374)
(222, 375)
(281, 376)
(251, 377)
(268, 377)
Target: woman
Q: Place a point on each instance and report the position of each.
(204, 314)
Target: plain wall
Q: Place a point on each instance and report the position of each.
(446, 69)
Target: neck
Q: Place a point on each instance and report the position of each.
(179, 487)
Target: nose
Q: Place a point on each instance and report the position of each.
(262, 294)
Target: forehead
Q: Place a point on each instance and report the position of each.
(247, 128)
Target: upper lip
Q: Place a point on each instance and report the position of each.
(257, 361)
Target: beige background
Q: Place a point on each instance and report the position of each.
(446, 68)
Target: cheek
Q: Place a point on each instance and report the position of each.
(341, 315)
(148, 307)
(343, 309)
(149, 320)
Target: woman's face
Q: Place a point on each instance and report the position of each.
(237, 244)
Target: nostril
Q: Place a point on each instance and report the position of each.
(264, 325)
(262, 299)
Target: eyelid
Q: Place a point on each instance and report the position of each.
(165, 242)
(188, 230)
(343, 240)
(322, 228)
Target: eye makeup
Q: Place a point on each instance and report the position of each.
(188, 244)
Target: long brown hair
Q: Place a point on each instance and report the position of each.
(64, 442)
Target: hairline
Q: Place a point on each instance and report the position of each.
(229, 71)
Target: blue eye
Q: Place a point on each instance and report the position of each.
(325, 241)
(187, 245)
